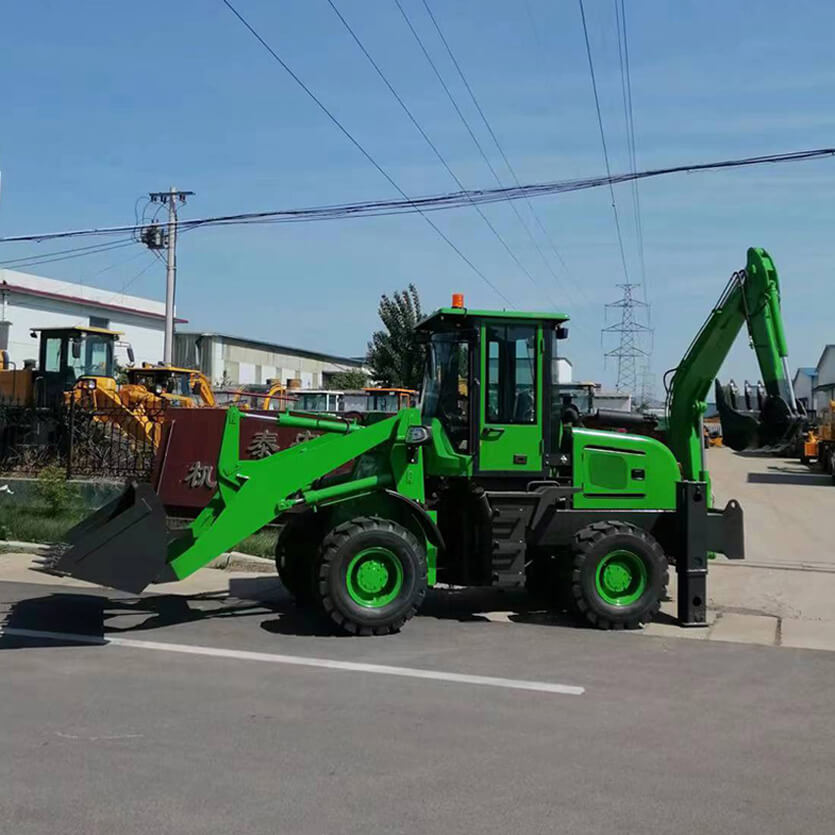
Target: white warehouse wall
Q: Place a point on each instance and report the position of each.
(66, 304)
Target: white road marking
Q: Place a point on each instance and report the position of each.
(301, 661)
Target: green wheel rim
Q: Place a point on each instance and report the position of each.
(621, 578)
(374, 577)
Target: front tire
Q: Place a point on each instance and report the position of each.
(371, 576)
(620, 575)
(295, 556)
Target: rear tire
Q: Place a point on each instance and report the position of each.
(371, 576)
(620, 575)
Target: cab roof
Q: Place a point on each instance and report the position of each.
(168, 369)
(389, 390)
(79, 329)
(457, 316)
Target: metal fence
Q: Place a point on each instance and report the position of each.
(85, 439)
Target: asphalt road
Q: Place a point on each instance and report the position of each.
(668, 735)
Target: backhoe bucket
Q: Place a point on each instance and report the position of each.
(122, 545)
(753, 420)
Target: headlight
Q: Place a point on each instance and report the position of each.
(418, 435)
(90, 383)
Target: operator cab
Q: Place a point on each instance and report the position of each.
(321, 400)
(388, 400)
(68, 355)
(489, 381)
(175, 384)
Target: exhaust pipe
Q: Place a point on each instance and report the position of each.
(123, 545)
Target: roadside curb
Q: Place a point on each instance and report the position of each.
(13, 546)
(236, 561)
(231, 561)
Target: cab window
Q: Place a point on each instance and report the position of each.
(511, 374)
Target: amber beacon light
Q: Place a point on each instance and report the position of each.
(458, 300)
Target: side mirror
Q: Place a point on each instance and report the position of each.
(76, 349)
(561, 332)
(131, 356)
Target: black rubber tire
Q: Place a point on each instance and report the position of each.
(336, 552)
(295, 556)
(591, 545)
(804, 459)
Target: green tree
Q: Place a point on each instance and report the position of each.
(354, 379)
(394, 355)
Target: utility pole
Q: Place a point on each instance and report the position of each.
(153, 238)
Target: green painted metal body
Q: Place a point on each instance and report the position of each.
(753, 299)
(622, 472)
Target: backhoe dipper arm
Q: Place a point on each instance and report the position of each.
(752, 296)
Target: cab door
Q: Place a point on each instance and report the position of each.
(510, 432)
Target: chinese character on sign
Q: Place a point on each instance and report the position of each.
(301, 437)
(201, 475)
(263, 444)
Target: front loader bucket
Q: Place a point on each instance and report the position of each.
(755, 421)
(122, 545)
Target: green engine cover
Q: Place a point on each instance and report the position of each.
(617, 471)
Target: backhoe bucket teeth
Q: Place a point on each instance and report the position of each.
(774, 427)
(122, 545)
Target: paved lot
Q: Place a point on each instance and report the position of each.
(218, 706)
(789, 508)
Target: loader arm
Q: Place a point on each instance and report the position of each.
(251, 494)
(752, 297)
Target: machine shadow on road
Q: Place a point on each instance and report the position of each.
(99, 615)
(779, 475)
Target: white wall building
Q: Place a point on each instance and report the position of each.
(32, 301)
(804, 382)
(824, 389)
(238, 361)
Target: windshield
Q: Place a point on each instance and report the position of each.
(382, 402)
(91, 355)
(445, 391)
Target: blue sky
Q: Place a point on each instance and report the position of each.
(102, 102)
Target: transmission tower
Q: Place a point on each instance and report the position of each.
(629, 332)
(647, 395)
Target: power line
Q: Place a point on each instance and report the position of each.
(474, 138)
(436, 202)
(626, 90)
(603, 139)
(429, 142)
(65, 254)
(496, 140)
(359, 147)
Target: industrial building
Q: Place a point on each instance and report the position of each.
(235, 361)
(815, 387)
(32, 301)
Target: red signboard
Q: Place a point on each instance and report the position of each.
(185, 470)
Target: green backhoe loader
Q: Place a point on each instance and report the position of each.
(489, 481)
